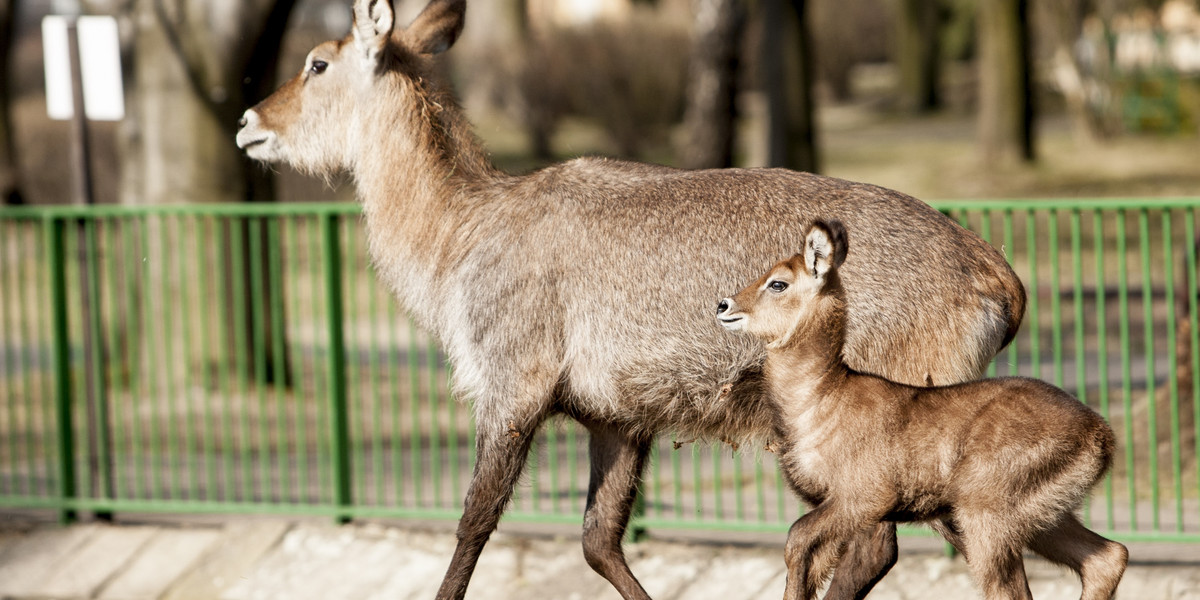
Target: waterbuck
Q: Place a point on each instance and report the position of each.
(998, 464)
(584, 289)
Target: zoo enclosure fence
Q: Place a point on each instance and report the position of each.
(245, 359)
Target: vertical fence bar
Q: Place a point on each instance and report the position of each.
(114, 442)
(1148, 337)
(56, 255)
(291, 242)
(102, 423)
(1194, 330)
(192, 446)
(677, 477)
(356, 429)
(1172, 373)
(224, 285)
(336, 363)
(718, 504)
(1035, 327)
(1077, 306)
(320, 378)
(8, 329)
(572, 460)
(1013, 364)
(433, 365)
(42, 354)
(153, 372)
(1102, 351)
(452, 443)
(373, 376)
(1056, 331)
(396, 445)
(415, 473)
(1126, 375)
(241, 351)
(258, 360)
(168, 363)
(133, 379)
(280, 369)
(202, 269)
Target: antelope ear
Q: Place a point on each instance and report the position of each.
(373, 23)
(825, 248)
(437, 27)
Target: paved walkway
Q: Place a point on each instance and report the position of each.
(268, 559)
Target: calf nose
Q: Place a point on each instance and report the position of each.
(242, 123)
(723, 306)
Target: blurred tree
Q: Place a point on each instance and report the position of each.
(1066, 18)
(787, 76)
(197, 65)
(711, 111)
(1005, 91)
(10, 188)
(918, 54)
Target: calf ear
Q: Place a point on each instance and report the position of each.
(373, 23)
(825, 248)
(437, 27)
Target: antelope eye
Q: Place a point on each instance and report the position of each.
(777, 286)
(318, 67)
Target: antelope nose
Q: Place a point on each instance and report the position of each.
(723, 306)
(242, 123)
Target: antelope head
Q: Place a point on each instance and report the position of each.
(316, 120)
(790, 293)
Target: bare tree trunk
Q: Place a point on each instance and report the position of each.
(788, 78)
(918, 54)
(711, 111)
(10, 178)
(1005, 90)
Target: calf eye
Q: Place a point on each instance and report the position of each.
(777, 286)
(318, 67)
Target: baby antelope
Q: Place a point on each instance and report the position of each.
(995, 465)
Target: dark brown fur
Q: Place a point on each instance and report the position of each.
(998, 464)
(575, 290)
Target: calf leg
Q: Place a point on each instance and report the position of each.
(1099, 562)
(617, 461)
(867, 558)
(501, 448)
(814, 543)
(994, 558)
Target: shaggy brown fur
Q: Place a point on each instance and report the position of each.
(576, 289)
(997, 464)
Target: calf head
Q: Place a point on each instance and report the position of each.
(793, 291)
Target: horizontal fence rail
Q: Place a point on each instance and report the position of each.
(244, 358)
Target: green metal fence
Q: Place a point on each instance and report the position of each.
(245, 359)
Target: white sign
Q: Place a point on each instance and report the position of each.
(100, 61)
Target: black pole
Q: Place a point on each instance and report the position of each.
(99, 452)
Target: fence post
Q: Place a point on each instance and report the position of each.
(336, 363)
(56, 254)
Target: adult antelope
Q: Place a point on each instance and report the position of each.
(584, 289)
(997, 464)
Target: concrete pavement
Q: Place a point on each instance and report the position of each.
(269, 559)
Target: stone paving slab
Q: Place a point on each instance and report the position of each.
(29, 562)
(236, 553)
(82, 572)
(273, 559)
(164, 559)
